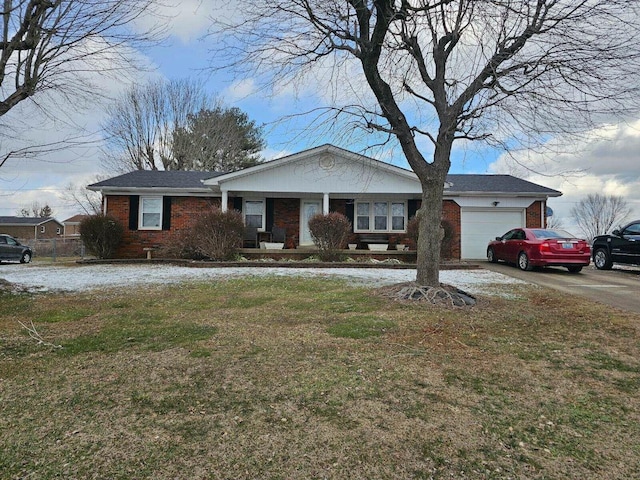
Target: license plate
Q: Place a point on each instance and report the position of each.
(567, 245)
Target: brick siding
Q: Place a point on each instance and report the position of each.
(534, 215)
(287, 216)
(185, 210)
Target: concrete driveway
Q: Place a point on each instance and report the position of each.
(619, 287)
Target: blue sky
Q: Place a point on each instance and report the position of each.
(608, 156)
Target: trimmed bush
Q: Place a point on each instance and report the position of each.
(330, 233)
(101, 235)
(182, 245)
(413, 229)
(216, 235)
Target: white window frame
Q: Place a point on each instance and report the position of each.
(263, 212)
(141, 213)
(372, 216)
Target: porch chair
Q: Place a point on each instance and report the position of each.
(278, 234)
(250, 237)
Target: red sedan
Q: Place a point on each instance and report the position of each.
(540, 247)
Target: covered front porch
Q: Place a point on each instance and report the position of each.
(377, 198)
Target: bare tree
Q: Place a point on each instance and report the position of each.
(597, 214)
(555, 222)
(88, 201)
(140, 124)
(219, 139)
(446, 70)
(49, 46)
(37, 210)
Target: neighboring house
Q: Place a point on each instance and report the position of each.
(72, 226)
(31, 228)
(378, 198)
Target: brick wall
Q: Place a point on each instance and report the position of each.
(534, 215)
(451, 213)
(287, 216)
(184, 212)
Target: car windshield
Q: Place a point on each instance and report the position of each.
(544, 233)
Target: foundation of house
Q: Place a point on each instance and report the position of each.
(404, 256)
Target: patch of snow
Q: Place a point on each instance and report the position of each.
(43, 278)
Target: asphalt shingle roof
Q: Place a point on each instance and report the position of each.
(158, 179)
(457, 183)
(494, 184)
(28, 221)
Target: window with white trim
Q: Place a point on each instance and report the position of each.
(150, 217)
(254, 213)
(398, 215)
(381, 216)
(362, 220)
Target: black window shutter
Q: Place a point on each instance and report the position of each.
(270, 214)
(166, 213)
(412, 207)
(349, 212)
(237, 203)
(134, 205)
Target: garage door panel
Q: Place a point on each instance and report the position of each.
(478, 227)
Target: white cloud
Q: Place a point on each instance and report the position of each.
(188, 20)
(239, 90)
(605, 161)
(69, 123)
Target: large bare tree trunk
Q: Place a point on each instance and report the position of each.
(430, 237)
(430, 215)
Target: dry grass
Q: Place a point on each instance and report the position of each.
(309, 378)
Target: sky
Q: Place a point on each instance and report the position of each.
(605, 160)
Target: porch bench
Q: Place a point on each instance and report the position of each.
(369, 239)
(149, 250)
(374, 238)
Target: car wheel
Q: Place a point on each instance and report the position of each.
(602, 260)
(26, 257)
(574, 269)
(523, 262)
(491, 255)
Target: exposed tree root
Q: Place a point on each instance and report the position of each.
(444, 295)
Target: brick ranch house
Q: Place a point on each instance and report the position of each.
(377, 197)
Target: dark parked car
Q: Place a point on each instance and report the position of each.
(540, 247)
(622, 246)
(12, 249)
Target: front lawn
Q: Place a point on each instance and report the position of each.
(287, 378)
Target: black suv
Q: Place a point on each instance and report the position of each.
(12, 249)
(622, 246)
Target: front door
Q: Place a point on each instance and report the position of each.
(308, 209)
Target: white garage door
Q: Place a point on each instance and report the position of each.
(479, 226)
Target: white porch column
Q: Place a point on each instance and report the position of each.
(225, 200)
(325, 204)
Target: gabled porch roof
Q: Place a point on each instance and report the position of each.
(320, 170)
